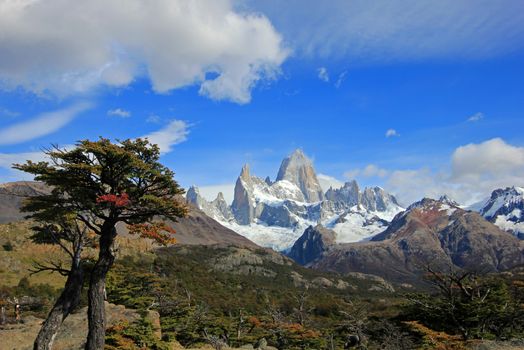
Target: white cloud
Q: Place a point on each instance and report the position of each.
(476, 117)
(385, 30)
(211, 192)
(8, 159)
(323, 74)
(413, 184)
(174, 133)
(327, 181)
(475, 170)
(41, 125)
(119, 112)
(391, 133)
(370, 170)
(491, 160)
(175, 43)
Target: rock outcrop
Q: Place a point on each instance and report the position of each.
(312, 244)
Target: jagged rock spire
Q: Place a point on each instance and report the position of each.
(244, 173)
(298, 169)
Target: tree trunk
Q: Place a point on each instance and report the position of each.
(96, 296)
(65, 304)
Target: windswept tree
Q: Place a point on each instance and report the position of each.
(103, 184)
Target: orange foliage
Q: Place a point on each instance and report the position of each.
(157, 231)
(118, 200)
(254, 321)
(437, 340)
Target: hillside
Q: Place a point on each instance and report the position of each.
(196, 287)
(12, 195)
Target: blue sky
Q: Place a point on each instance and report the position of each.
(422, 100)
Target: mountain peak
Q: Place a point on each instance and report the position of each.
(505, 208)
(298, 169)
(192, 193)
(244, 173)
(298, 154)
(447, 200)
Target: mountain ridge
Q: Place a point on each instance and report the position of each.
(195, 228)
(275, 214)
(429, 232)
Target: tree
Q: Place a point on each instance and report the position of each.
(104, 184)
(471, 304)
(71, 238)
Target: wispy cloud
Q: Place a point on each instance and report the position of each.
(381, 31)
(119, 112)
(392, 133)
(341, 78)
(327, 181)
(174, 133)
(41, 125)
(476, 117)
(323, 74)
(153, 118)
(8, 159)
(8, 113)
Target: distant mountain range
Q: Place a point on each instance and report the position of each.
(195, 229)
(346, 230)
(430, 232)
(275, 213)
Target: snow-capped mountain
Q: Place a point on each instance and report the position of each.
(505, 208)
(275, 214)
(429, 232)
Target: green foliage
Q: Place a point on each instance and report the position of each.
(474, 306)
(197, 303)
(23, 284)
(8, 246)
(135, 336)
(35, 299)
(89, 181)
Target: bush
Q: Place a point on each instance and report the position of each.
(135, 336)
(8, 246)
(470, 305)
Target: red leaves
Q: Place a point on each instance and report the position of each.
(118, 200)
(157, 231)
